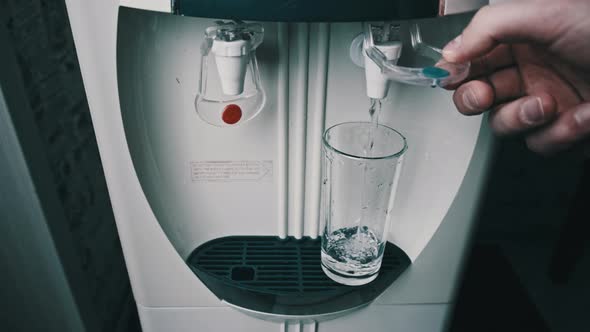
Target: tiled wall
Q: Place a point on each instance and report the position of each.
(46, 56)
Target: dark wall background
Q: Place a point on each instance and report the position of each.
(528, 196)
(525, 206)
(535, 216)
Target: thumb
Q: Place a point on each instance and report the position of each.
(519, 21)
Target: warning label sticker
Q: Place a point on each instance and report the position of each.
(231, 170)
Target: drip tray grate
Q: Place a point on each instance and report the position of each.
(284, 276)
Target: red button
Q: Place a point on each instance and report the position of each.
(232, 113)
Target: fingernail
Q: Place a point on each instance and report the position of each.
(453, 46)
(582, 117)
(531, 111)
(470, 100)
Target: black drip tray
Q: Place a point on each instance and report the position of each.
(284, 276)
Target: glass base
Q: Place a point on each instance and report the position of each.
(352, 255)
(349, 280)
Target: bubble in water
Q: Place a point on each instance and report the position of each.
(354, 250)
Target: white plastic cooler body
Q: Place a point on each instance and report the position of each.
(140, 69)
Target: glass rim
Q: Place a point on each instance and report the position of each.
(352, 156)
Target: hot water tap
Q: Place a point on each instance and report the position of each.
(230, 89)
(232, 44)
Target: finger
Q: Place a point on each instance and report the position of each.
(499, 58)
(474, 97)
(508, 22)
(570, 127)
(523, 114)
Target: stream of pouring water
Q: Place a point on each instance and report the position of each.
(374, 110)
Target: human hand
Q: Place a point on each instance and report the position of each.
(531, 69)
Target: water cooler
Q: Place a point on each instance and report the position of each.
(209, 117)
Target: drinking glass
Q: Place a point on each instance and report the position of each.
(361, 164)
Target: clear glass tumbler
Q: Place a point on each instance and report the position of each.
(361, 163)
